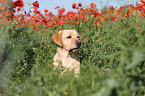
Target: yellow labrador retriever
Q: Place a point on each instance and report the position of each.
(69, 43)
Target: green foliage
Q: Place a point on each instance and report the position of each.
(112, 60)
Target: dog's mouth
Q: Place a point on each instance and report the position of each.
(75, 49)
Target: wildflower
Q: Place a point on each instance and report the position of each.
(45, 14)
(140, 6)
(60, 23)
(86, 20)
(86, 39)
(62, 10)
(80, 4)
(32, 18)
(102, 11)
(54, 23)
(69, 22)
(81, 9)
(10, 14)
(18, 3)
(143, 1)
(65, 17)
(74, 5)
(96, 14)
(36, 11)
(19, 9)
(16, 23)
(49, 25)
(122, 17)
(120, 9)
(46, 10)
(38, 20)
(71, 18)
(111, 8)
(106, 19)
(78, 22)
(114, 18)
(143, 11)
(77, 7)
(140, 14)
(44, 21)
(93, 5)
(22, 20)
(36, 4)
(50, 16)
(56, 7)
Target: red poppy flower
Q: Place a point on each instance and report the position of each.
(78, 22)
(93, 5)
(32, 18)
(120, 9)
(28, 14)
(18, 3)
(81, 9)
(77, 7)
(114, 18)
(50, 16)
(10, 14)
(97, 22)
(22, 20)
(45, 21)
(140, 6)
(86, 39)
(19, 9)
(49, 25)
(36, 5)
(36, 11)
(143, 1)
(60, 23)
(74, 5)
(46, 10)
(106, 19)
(56, 7)
(143, 11)
(122, 17)
(54, 23)
(112, 8)
(62, 10)
(80, 4)
(86, 20)
(45, 14)
(96, 14)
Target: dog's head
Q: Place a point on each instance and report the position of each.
(68, 39)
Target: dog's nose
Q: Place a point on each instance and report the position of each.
(78, 42)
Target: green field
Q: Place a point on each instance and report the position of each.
(112, 59)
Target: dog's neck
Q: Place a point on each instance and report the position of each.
(65, 53)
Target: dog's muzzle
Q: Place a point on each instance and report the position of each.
(79, 46)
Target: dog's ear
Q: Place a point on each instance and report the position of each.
(57, 38)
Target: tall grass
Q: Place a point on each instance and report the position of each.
(112, 60)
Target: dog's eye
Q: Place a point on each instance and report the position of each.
(78, 36)
(69, 37)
